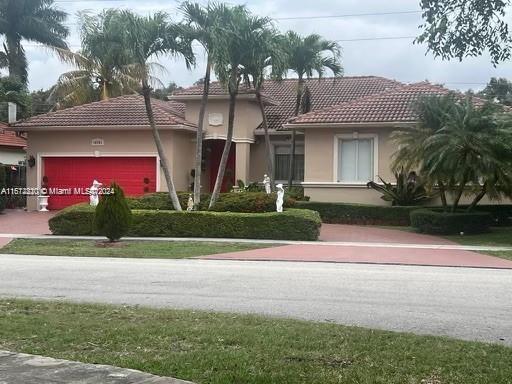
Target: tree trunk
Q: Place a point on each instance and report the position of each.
(233, 91)
(477, 198)
(442, 194)
(291, 168)
(146, 91)
(15, 59)
(459, 194)
(199, 137)
(268, 149)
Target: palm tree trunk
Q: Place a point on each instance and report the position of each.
(233, 91)
(199, 136)
(291, 168)
(477, 198)
(16, 58)
(442, 194)
(459, 194)
(268, 149)
(146, 91)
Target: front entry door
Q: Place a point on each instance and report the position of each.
(216, 147)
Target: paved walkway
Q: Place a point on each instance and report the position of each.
(20, 368)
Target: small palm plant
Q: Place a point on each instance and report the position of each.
(113, 216)
(408, 190)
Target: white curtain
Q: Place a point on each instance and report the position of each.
(355, 159)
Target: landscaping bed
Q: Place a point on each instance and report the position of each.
(292, 224)
(438, 222)
(215, 348)
(135, 249)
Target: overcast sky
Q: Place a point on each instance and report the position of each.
(397, 59)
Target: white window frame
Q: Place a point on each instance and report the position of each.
(289, 144)
(355, 136)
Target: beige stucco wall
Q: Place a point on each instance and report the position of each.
(11, 156)
(179, 147)
(247, 118)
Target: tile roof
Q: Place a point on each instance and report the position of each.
(394, 105)
(325, 93)
(10, 138)
(119, 111)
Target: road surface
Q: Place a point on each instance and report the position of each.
(471, 304)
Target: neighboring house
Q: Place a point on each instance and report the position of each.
(342, 143)
(12, 147)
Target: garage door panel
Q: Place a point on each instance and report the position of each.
(136, 175)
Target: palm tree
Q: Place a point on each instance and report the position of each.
(468, 146)
(205, 23)
(308, 56)
(235, 47)
(267, 56)
(13, 91)
(33, 20)
(103, 62)
(145, 38)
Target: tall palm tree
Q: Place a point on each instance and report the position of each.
(205, 24)
(33, 20)
(468, 146)
(103, 62)
(267, 56)
(145, 38)
(235, 47)
(308, 56)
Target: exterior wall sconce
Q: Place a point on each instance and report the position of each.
(31, 161)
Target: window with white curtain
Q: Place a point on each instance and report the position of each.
(355, 160)
(282, 162)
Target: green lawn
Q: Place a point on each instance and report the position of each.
(227, 348)
(138, 249)
(498, 236)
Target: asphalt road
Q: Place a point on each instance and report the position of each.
(472, 304)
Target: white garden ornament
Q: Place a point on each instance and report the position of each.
(266, 183)
(94, 190)
(190, 203)
(280, 197)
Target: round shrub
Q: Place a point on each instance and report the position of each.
(113, 217)
(438, 222)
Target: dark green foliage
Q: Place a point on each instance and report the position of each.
(498, 89)
(439, 222)
(113, 216)
(293, 224)
(461, 28)
(233, 202)
(408, 189)
(360, 214)
(296, 193)
(501, 214)
(3, 198)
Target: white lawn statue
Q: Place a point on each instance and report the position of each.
(266, 183)
(190, 203)
(94, 197)
(280, 197)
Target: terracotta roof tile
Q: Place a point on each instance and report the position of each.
(325, 92)
(10, 138)
(394, 105)
(120, 111)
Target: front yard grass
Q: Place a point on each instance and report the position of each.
(132, 248)
(498, 236)
(226, 348)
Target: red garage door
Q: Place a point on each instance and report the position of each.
(136, 175)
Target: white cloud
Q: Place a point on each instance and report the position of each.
(398, 59)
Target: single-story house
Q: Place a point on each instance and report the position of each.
(12, 147)
(342, 143)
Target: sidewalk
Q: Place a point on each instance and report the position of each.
(20, 368)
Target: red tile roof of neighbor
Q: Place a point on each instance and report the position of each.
(119, 111)
(10, 138)
(394, 105)
(325, 93)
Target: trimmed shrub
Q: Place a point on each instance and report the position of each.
(293, 224)
(228, 202)
(113, 216)
(501, 214)
(438, 222)
(359, 214)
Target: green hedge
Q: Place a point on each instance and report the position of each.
(445, 223)
(293, 224)
(227, 202)
(360, 214)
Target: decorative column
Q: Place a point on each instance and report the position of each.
(242, 168)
